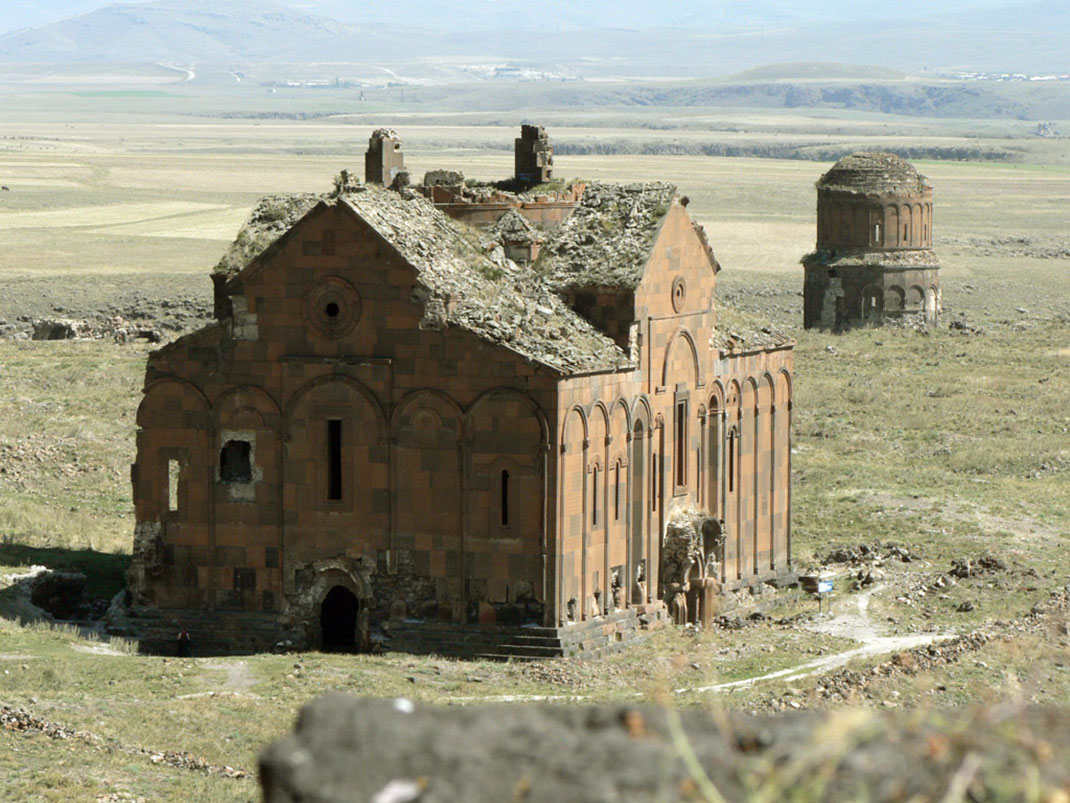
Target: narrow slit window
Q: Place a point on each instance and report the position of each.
(172, 485)
(654, 481)
(616, 492)
(877, 233)
(594, 496)
(505, 498)
(334, 460)
(732, 461)
(681, 444)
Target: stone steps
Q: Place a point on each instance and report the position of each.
(584, 639)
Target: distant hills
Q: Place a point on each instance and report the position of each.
(235, 32)
(591, 39)
(548, 15)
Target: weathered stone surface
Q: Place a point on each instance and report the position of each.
(272, 217)
(115, 328)
(873, 173)
(607, 240)
(498, 300)
(445, 178)
(513, 227)
(345, 749)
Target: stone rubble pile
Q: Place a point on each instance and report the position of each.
(464, 286)
(112, 327)
(846, 684)
(22, 721)
(967, 567)
(1028, 247)
(862, 553)
(272, 217)
(607, 240)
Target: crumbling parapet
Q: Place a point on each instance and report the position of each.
(384, 159)
(534, 156)
(520, 240)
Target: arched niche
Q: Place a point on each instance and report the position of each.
(427, 429)
(681, 364)
(506, 432)
(334, 453)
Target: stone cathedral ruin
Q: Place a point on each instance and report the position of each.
(462, 419)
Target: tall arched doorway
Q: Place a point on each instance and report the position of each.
(338, 621)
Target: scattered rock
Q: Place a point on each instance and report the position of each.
(967, 567)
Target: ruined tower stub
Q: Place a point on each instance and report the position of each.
(534, 155)
(873, 258)
(384, 159)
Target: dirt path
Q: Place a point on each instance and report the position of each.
(850, 621)
(239, 678)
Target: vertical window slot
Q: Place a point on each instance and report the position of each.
(505, 498)
(594, 495)
(616, 492)
(334, 460)
(681, 444)
(172, 485)
(732, 462)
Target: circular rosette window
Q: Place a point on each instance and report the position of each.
(333, 307)
(679, 293)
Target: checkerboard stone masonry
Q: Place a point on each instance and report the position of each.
(395, 435)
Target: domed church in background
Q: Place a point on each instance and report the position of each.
(873, 259)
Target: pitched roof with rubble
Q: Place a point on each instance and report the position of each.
(607, 240)
(741, 332)
(513, 227)
(464, 285)
(272, 217)
(874, 173)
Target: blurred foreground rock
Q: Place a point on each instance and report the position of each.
(348, 749)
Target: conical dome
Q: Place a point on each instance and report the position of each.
(874, 174)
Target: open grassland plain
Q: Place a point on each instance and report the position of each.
(951, 443)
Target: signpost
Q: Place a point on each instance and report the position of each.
(824, 591)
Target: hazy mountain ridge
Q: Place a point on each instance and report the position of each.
(549, 15)
(234, 32)
(709, 39)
